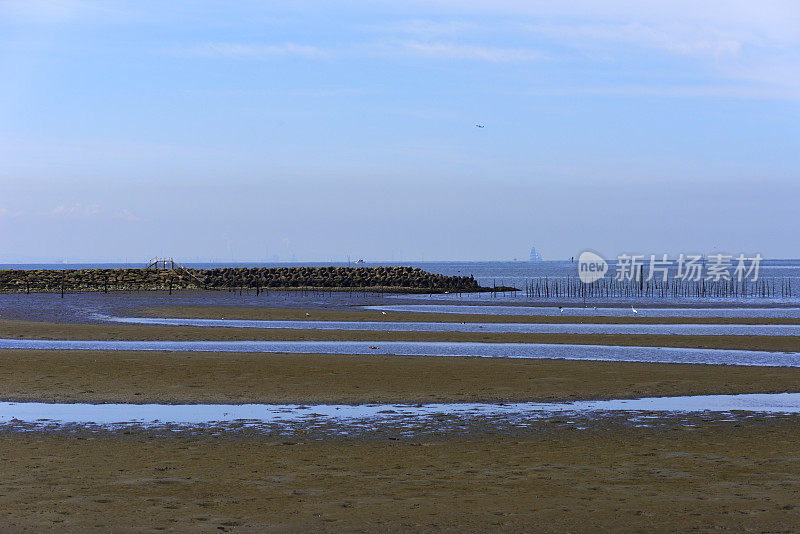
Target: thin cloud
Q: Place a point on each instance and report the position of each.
(777, 73)
(424, 49)
(332, 92)
(684, 91)
(76, 210)
(677, 40)
(79, 210)
(251, 51)
(745, 62)
(126, 215)
(421, 28)
(6, 213)
(43, 10)
(471, 52)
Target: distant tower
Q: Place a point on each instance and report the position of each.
(535, 256)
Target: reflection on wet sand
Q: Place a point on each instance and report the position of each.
(511, 328)
(602, 311)
(376, 415)
(433, 348)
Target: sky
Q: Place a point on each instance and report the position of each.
(314, 131)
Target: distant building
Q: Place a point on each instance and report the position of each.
(535, 256)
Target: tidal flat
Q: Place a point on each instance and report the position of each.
(11, 329)
(663, 472)
(713, 476)
(211, 377)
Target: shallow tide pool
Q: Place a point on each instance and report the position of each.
(434, 348)
(120, 415)
(510, 328)
(621, 311)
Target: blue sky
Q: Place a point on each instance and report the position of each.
(314, 131)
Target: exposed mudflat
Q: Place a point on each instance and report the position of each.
(209, 377)
(135, 332)
(376, 313)
(675, 473)
(717, 476)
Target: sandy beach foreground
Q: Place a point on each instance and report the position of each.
(210, 377)
(673, 478)
(701, 472)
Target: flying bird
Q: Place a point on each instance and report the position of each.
(479, 125)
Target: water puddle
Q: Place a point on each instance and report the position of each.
(510, 328)
(277, 416)
(711, 311)
(434, 348)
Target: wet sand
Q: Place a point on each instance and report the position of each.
(720, 477)
(135, 332)
(208, 377)
(296, 314)
(717, 475)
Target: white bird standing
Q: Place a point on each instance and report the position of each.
(633, 309)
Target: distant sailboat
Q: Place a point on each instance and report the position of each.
(535, 256)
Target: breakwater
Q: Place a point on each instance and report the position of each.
(388, 279)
